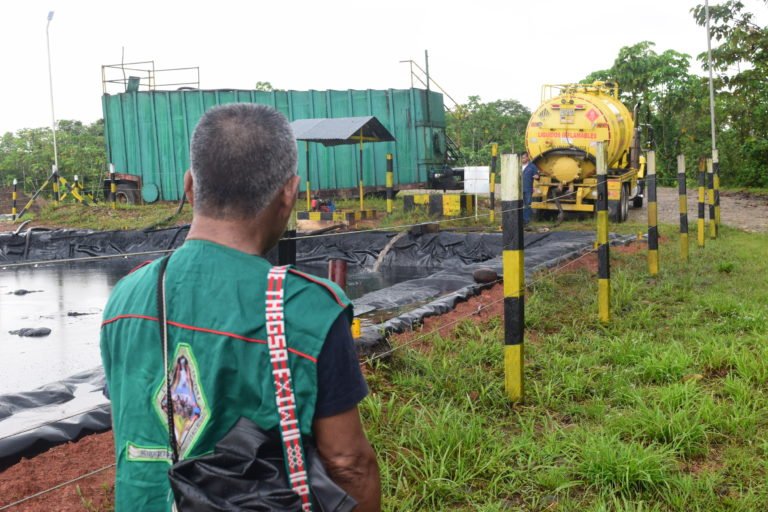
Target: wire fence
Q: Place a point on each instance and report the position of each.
(83, 412)
(398, 227)
(367, 361)
(56, 487)
(455, 321)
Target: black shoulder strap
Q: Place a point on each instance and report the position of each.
(163, 324)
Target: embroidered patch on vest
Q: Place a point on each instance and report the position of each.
(146, 454)
(190, 412)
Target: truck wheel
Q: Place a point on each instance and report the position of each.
(618, 210)
(625, 202)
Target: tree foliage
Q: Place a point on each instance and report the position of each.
(475, 125)
(27, 155)
(671, 102)
(675, 103)
(740, 65)
(264, 86)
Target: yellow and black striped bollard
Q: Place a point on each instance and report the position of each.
(14, 197)
(711, 199)
(390, 182)
(700, 236)
(112, 186)
(653, 229)
(309, 185)
(513, 261)
(716, 181)
(603, 249)
(683, 203)
(55, 184)
(492, 184)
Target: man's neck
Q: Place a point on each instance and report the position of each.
(241, 235)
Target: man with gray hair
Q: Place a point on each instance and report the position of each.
(217, 287)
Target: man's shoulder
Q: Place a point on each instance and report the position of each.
(139, 274)
(137, 284)
(318, 287)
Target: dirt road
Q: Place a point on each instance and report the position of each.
(737, 209)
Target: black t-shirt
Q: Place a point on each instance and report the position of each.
(340, 382)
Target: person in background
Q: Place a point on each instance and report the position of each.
(242, 186)
(530, 173)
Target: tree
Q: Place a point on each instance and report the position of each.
(668, 98)
(475, 125)
(27, 155)
(740, 64)
(264, 86)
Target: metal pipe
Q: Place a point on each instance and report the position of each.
(337, 272)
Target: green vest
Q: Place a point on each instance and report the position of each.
(219, 360)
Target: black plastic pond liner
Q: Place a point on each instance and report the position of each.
(542, 251)
(34, 421)
(42, 245)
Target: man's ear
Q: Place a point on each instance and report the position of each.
(188, 187)
(289, 193)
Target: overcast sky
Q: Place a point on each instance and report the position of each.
(494, 49)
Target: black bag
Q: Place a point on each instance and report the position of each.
(247, 470)
(246, 473)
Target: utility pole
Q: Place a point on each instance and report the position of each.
(711, 86)
(50, 83)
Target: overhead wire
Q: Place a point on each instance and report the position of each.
(546, 275)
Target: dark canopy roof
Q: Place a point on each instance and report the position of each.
(341, 130)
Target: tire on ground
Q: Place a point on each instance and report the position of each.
(127, 193)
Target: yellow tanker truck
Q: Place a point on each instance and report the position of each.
(561, 140)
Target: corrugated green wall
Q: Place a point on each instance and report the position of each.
(148, 133)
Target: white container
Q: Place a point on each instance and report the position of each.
(477, 180)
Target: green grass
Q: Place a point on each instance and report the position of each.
(756, 191)
(664, 409)
(102, 217)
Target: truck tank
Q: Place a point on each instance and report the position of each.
(562, 132)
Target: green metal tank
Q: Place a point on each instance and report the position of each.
(147, 134)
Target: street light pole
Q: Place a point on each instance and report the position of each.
(50, 83)
(711, 86)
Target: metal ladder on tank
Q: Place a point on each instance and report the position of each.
(418, 74)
